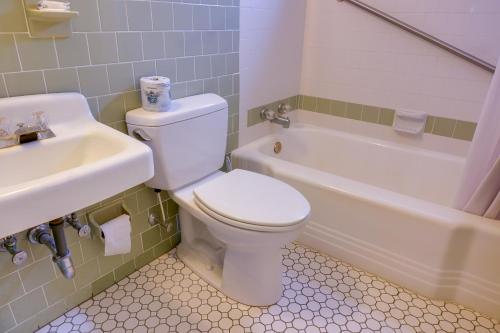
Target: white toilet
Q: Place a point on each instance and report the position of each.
(233, 224)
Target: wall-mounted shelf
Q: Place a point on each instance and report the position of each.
(50, 15)
(48, 23)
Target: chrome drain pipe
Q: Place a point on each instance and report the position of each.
(56, 242)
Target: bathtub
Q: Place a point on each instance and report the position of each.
(386, 207)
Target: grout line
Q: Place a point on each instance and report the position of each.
(17, 51)
(98, 14)
(44, 80)
(55, 51)
(5, 85)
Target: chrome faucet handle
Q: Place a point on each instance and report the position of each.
(267, 114)
(283, 109)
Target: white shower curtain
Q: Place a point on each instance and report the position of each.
(479, 192)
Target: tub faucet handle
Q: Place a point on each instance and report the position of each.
(283, 109)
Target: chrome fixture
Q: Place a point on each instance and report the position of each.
(56, 242)
(82, 229)
(280, 116)
(228, 163)
(36, 130)
(425, 36)
(9, 244)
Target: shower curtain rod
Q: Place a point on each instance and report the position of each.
(419, 33)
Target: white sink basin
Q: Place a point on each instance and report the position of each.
(86, 162)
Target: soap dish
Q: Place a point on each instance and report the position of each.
(409, 121)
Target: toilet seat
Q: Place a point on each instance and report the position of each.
(252, 201)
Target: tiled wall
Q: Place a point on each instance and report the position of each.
(115, 42)
(353, 56)
(448, 127)
(471, 25)
(271, 52)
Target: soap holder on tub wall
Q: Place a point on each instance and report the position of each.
(105, 214)
(409, 121)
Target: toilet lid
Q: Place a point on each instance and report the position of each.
(255, 199)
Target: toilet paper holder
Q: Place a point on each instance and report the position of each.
(102, 215)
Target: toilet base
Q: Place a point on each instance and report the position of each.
(244, 265)
(239, 277)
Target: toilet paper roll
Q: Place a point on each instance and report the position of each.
(116, 235)
(155, 93)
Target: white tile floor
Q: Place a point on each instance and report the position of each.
(321, 294)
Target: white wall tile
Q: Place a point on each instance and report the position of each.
(351, 55)
(271, 42)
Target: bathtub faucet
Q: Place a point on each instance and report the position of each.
(279, 116)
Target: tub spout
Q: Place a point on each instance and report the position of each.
(283, 121)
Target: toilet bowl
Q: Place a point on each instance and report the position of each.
(245, 264)
(234, 224)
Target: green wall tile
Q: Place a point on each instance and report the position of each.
(88, 20)
(10, 288)
(62, 80)
(78, 297)
(146, 198)
(28, 326)
(25, 83)
(48, 314)
(429, 124)
(12, 16)
(354, 111)
(86, 273)
(37, 274)
(163, 247)
(144, 258)
(6, 318)
(73, 51)
(3, 88)
(9, 59)
(103, 283)
(151, 237)
(111, 108)
(323, 106)
(58, 289)
(30, 50)
(370, 114)
(124, 270)
(109, 263)
(444, 126)
(309, 103)
(253, 117)
(338, 108)
(232, 142)
(28, 305)
(386, 117)
(464, 130)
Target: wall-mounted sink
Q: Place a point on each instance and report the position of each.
(86, 162)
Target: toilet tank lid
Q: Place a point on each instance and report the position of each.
(180, 110)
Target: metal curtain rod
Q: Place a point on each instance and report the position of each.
(419, 33)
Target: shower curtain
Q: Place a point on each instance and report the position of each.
(479, 192)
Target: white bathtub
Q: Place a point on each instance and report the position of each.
(385, 207)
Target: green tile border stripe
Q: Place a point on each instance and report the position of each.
(447, 127)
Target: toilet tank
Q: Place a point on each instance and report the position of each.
(188, 141)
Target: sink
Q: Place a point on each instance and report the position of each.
(86, 162)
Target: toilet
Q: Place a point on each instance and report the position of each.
(233, 224)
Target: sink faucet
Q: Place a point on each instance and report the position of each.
(25, 132)
(280, 116)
